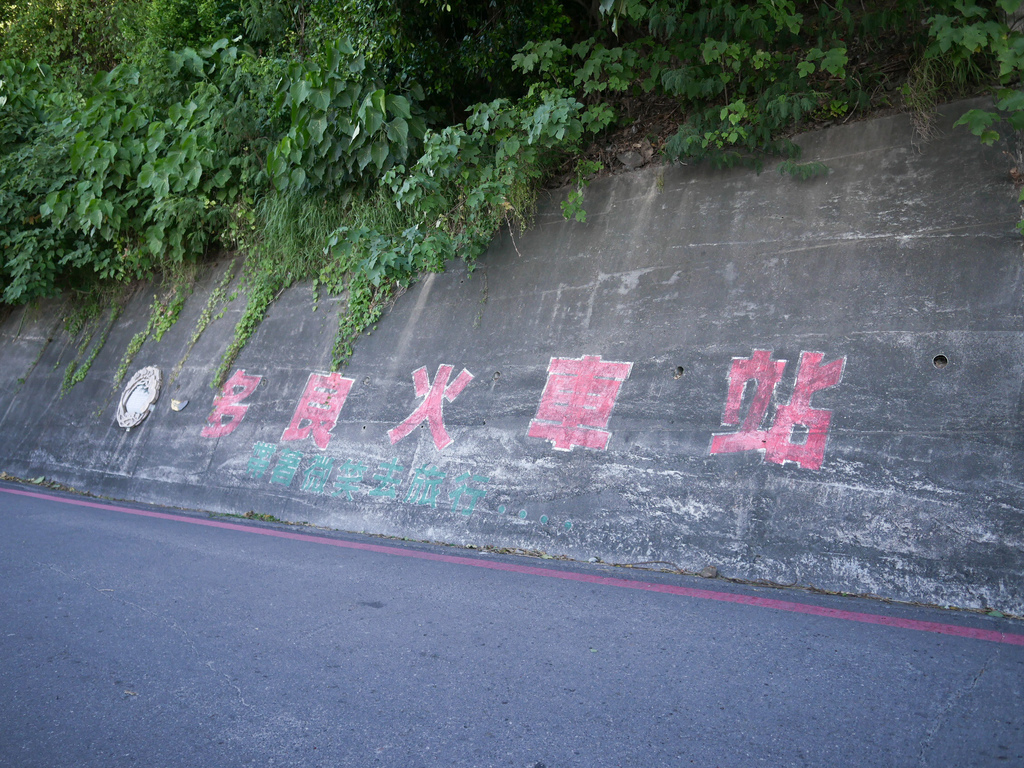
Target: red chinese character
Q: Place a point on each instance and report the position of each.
(765, 373)
(318, 408)
(777, 441)
(577, 402)
(228, 403)
(431, 409)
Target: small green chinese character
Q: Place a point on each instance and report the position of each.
(425, 485)
(388, 480)
(350, 474)
(472, 494)
(262, 453)
(287, 465)
(316, 476)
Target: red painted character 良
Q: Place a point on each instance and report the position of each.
(431, 409)
(228, 404)
(777, 440)
(318, 408)
(577, 402)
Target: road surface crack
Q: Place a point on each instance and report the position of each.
(945, 712)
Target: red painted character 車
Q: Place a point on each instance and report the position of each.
(577, 402)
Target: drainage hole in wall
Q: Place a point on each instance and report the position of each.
(679, 372)
(940, 361)
(366, 381)
(497, 375)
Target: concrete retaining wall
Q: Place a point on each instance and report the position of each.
(718, 368)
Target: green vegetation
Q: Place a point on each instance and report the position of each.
(358, 144)
(82, 322)
(163, 313)
(250, 515)
(215, 307)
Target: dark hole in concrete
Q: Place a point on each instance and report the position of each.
(485, 421)
(679, 372)
(799, 436)
(940, 361)
(497, 375)
(366, 380)
(364, 426)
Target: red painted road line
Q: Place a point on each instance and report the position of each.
(990, 635)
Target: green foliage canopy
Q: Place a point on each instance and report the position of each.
(136, 135)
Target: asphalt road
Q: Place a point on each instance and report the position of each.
(133, 640)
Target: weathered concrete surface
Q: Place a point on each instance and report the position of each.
(903, 253)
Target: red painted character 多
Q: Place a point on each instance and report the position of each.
(228, 404)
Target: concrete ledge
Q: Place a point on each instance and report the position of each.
(864, 467)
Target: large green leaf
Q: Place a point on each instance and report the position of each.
(146, 176)
(276, 164)
(398, 105)
(299, 93)
(193, 172)
(161, 185)
(317, 128)
(373, 121)
(94, 215)
(321, 99)
(363, 157)
(379, 153)
(398, 131)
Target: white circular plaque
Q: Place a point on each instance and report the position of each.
(138, 397)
